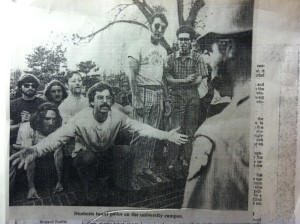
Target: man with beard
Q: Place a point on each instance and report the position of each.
(55, 92)
(75, 102)
(185, 70)
(149, 93)
(42, 123)
(95, 128)
(22, 108)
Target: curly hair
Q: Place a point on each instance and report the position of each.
(186, 29)
(99, 87)
(28, 78)
(69, 75)
(47, 92)
(37, 119)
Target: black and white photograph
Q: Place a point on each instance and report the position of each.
(131, 103)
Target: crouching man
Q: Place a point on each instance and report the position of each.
(42, 123)
(95, 129)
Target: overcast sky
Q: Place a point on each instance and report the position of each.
(41, 22)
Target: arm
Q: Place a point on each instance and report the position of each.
(55, 140)
(134, 69)
(148, 131)
(202, 148)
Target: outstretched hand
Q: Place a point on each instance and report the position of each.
(25, 156)
(177, 138)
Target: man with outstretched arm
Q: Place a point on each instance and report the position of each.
(95, 129)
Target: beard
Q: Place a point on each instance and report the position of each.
(47, 129)
(99, 113)
(29, 93)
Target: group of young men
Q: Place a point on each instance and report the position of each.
(166, 89)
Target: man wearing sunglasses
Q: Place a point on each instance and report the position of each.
(149, 96)
(22, 108)
(96, 128)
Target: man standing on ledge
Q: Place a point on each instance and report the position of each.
(150, 98)
(95, 128)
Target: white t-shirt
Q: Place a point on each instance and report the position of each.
(151, 61)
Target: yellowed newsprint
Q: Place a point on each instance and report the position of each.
(151, 112)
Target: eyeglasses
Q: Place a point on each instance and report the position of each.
(184, 39)
(104, 97)
(32, 85)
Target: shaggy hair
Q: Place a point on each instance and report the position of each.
(99, 87)
(47, 92)
(37, 119)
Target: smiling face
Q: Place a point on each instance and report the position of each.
(102, 103)
(158, 28)
(75, 84)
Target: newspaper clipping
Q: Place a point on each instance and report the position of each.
(148, 111)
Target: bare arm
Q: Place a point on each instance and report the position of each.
(134, 70)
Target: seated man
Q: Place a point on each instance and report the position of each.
(45, 121)
(95, 129)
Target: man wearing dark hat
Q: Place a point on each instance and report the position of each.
(185, 70)
(22, 108)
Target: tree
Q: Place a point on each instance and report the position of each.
(86, 66)
(147, 12)
(45, 63)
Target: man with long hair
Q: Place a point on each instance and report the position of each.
(95, 129)
(55, 92)
(42, 123)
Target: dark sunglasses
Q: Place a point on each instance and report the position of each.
(27, 85)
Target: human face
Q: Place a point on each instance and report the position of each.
(214, 56)
(29, 89)
(102, 102)
(75, 84)
(50, 121)
(56, 93)
(184, 43)
(158, 28)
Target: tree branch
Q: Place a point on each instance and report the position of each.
(196, 6)
(149, 8)
(121, 9)
(180, 12)
(92, 35)
(143, 9)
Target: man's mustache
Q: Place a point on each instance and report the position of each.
(104, 105)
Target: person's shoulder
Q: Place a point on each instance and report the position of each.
(40, 100)
(117, 114)
(16, 101)
(25, 127)
(83, 116)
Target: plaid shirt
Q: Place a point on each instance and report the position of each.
(180, 69)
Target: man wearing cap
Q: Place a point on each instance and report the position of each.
(149, 95)
(185, 70)
(22, 108)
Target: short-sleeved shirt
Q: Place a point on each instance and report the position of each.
(151, 60)
(19, 105)
(180, 69)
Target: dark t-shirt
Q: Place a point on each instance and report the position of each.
(19, 105)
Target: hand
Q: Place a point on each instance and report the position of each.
(25, 116)
(139, 108)
(176, 137)
(32, 194)
(190, 78)
(168, 109)
(23, 157)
